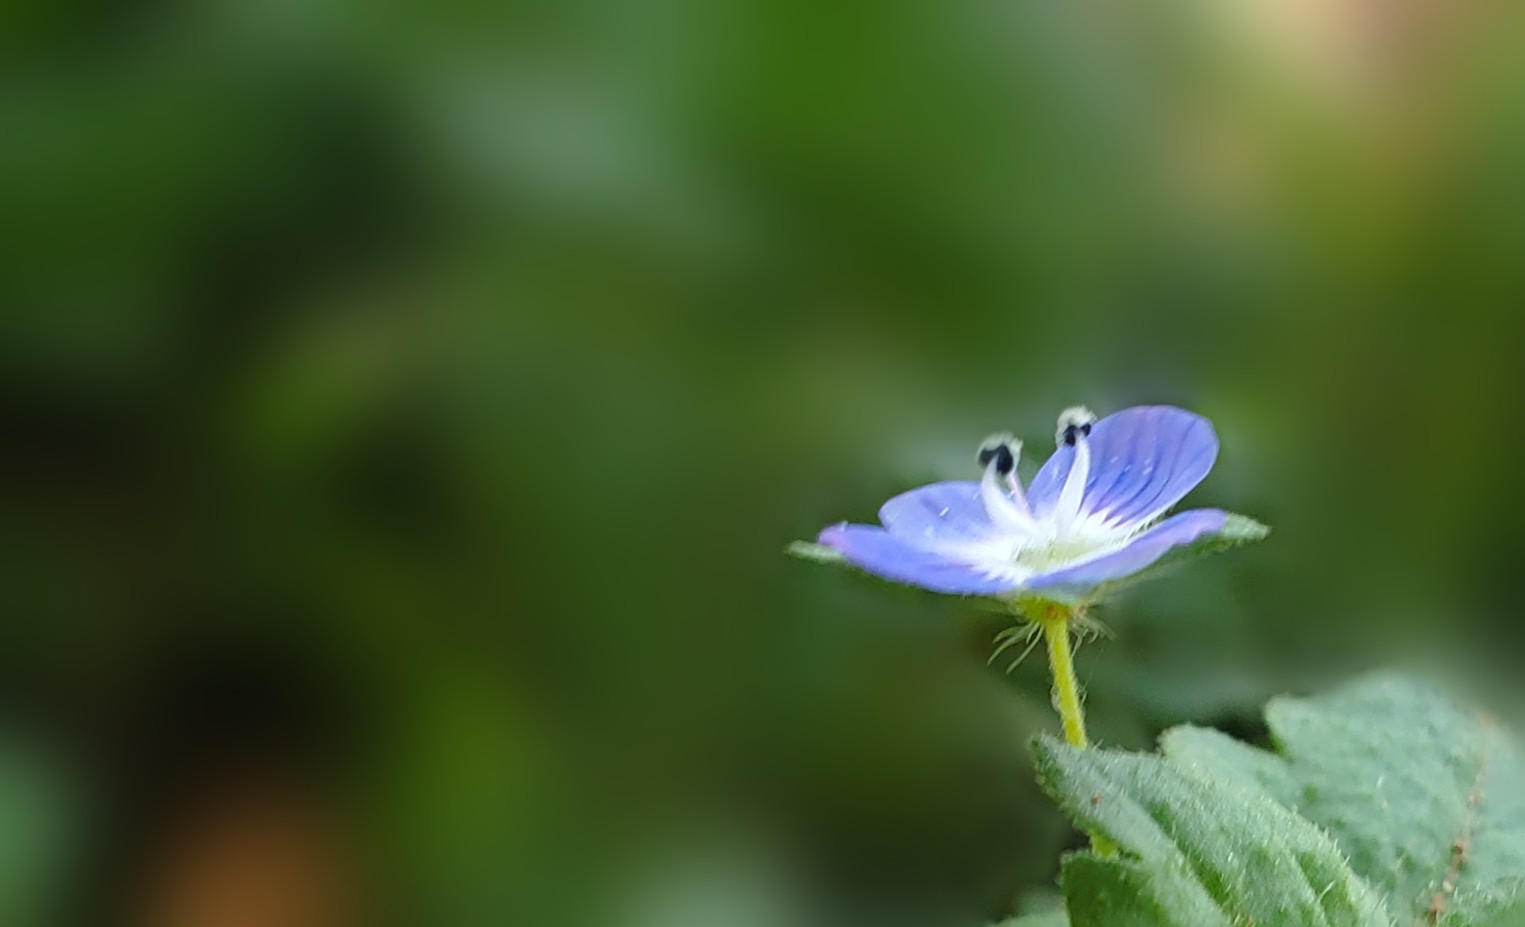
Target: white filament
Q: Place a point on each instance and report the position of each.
(1067, 508)
(1008, 510)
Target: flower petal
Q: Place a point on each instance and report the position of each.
(888, 555)
(1143, 461)
(937, 515)
(1143, 550)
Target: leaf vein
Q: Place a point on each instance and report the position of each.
(1460, 847)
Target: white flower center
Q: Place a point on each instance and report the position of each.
(1028, 544)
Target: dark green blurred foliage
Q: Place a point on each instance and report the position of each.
(410, 407)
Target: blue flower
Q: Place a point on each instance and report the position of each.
(1093, 514)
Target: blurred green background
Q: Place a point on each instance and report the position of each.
(407, 407)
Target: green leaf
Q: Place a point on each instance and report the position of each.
(1197, 851)
(1426, 798)
(1124, 893)
(1513, 916)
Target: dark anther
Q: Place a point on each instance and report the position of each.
(1005, 460)
(1073, 422)
(1070, 431)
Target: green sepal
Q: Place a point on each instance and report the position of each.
(816, 553)
(1237, 531)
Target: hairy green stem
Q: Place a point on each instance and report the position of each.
(1055, 622)
(1056, 631)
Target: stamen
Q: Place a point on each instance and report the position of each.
(1074, 427)
(1008, 507)
(998, 448)
(1073, 423)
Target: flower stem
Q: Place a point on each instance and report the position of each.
(1055, 622)
(1056, 631)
